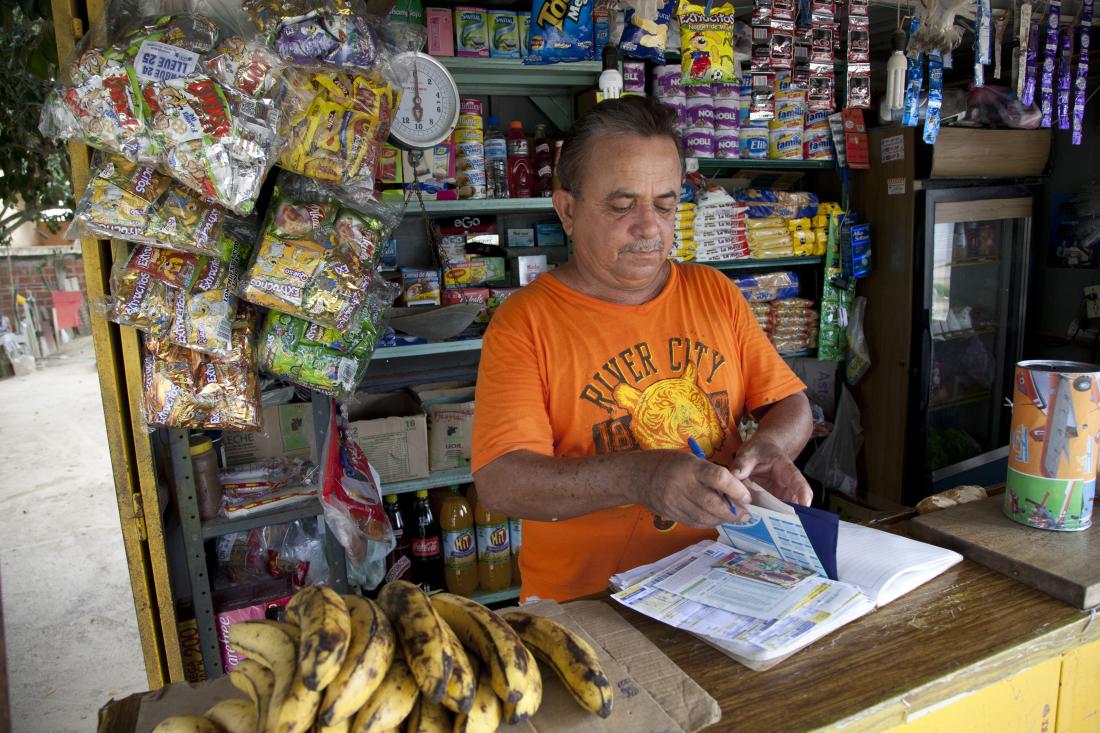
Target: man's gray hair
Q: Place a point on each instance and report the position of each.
(626, 116)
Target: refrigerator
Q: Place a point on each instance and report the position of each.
(945, 324)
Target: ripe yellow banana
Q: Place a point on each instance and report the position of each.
(485, 715)
(572, 658)
(344, 726)
(258, 682)
(323, 617)
(275, 646)
(423, 639)
(299, 709)
(512, 669)
(391, 703)
(187, 724)
(463, 683)
(370, 654)
(235, 715)
(427, 717)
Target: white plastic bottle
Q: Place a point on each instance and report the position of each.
(496, 160)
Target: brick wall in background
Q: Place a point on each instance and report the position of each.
(36, 274)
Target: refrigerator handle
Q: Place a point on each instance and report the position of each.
(925, 363)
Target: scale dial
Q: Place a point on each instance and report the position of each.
(428, 111)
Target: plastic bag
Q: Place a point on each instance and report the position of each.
(323, 359)
(352, 504)
(145, 94)
(260, 486)
(560, 32)
(188, 300)
(334, 34)
(834, 463)
(859, 357)
(183, 388)
(301, 553)
(646, 38)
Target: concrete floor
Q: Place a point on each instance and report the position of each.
(72, 640)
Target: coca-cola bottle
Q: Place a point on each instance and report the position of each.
(427, 550)
(398, 562)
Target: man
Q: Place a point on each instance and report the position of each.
(594, 377)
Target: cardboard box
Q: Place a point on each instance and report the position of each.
(392, 430)
(441, 31)
(450, 431)
(288, 433)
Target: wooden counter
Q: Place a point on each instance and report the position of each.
(1031, 662)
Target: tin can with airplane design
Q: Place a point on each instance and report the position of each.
(1055, 445)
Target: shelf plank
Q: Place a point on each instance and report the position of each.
(486, 597)
(712, 164)
(439, 347)
(803, 353)
(972, 398)
(750, 263)
(480, 75)
(435, 481)
(485, 206)
(305, 507)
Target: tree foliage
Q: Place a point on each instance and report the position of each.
(34, 171)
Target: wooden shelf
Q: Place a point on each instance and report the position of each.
(438, 347)
(485, 206)
(480, 75)
(435, 481)
(709, 165)
(750, 263)
(486, 597)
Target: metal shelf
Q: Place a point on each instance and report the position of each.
(439, 347)
(479, 75)
(750, 263)
(435, 481)
(486, 206)
(486, 597)
(300, 509)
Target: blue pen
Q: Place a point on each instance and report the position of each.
(698, 453)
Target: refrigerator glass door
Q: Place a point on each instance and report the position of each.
(974, 302)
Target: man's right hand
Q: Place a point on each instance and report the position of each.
(676, 485)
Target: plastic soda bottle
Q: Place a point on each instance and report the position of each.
(398, 562)
(494, 555)
(544, 163)
(456, 523)
(427, 552)
(515, 536)
(520, 177)
(496, 160)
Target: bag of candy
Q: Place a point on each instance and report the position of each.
(183, 388)
(164, 92)
(323, 359)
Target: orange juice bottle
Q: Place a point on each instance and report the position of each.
(494, 556)
(515, 536)
(456, 523)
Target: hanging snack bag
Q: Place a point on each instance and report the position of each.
(645, 38)
(323, 359)
(338, 34)
(187, 389)
(706, 40)
(135, 202)
(561, 30)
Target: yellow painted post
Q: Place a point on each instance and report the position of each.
(1079, 694)
(118, 365)
(1026, 701)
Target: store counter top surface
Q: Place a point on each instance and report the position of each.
(959, 632)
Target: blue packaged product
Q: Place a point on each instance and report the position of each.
(754, 143)
(549, 234)
(601, 22)
(768, 286)
(561, 30)
(503, 35)
(647, 39)
(523, 28)
(762, 203)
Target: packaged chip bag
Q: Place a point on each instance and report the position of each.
(324, 359)
(560, 31)
(165, 94)
(134, 202)
(181, 298)
(336, 34)
(182, 388)
(707, 40)
(647, 38)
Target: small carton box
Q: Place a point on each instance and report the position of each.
(528, 267)
(392, 430)
(469, 295)
(441, 31)
(450, 424)
(521, 237)
(419, 286)
(472, 31)
(550, 234)
(287, 433)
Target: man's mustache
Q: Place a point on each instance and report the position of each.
(642, 245)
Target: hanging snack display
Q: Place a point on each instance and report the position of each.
(317, 257)
(706, 43)
(560, 30)
(183, 388)
(1081, 82)
(1050, 51)
(646, 38)
(187, 300)
(134, 202)
(323, 359)
(859, 55)
(150, 97)
(338, 34)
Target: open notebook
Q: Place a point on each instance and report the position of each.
(760, 609)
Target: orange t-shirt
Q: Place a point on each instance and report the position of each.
(564, 374)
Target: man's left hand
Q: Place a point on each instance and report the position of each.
(766, 464)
